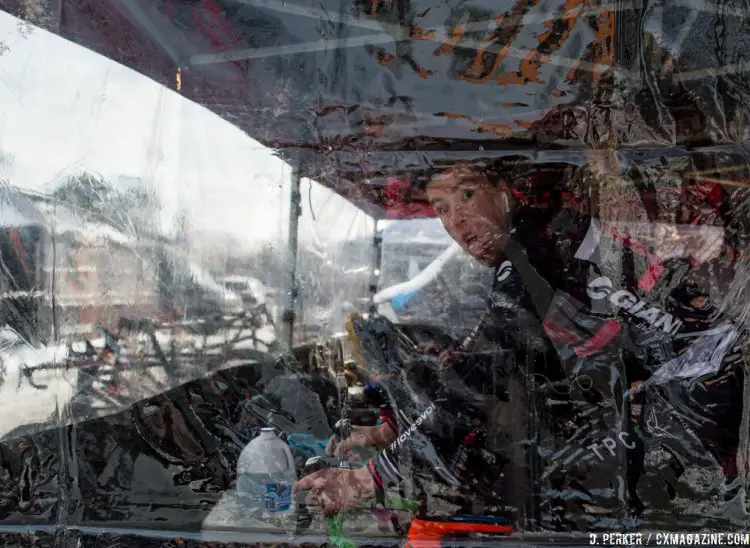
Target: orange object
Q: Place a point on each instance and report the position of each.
(430, 534)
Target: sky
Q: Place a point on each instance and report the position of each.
(66, 110)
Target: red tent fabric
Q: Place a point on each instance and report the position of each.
(402, 201)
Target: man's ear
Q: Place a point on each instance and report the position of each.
(504, 190)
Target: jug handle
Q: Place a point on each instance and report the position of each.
(289, 457)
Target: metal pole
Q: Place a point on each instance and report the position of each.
(377, 251)
(295, 210)
(54, 19)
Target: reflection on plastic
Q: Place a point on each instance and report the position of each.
(605, 387)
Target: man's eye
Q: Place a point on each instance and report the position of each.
(468, 194)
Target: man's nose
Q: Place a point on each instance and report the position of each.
(460, 215)
(453, 220)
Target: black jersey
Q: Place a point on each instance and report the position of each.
(544, 419)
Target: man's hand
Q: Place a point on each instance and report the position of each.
(334, 490)
(429, 348)
(446, 357)
(450, 357)
(635, 388)
(377, 437)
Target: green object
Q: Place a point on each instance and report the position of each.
(336, 532)
(336, 524)
(405, 505)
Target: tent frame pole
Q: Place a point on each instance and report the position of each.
(54, 21)
(377, 251)
(295, 211)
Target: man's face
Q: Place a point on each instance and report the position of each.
(473, 211)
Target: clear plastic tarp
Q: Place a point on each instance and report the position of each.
(373, 273)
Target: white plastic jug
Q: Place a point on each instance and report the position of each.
(266, 474)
